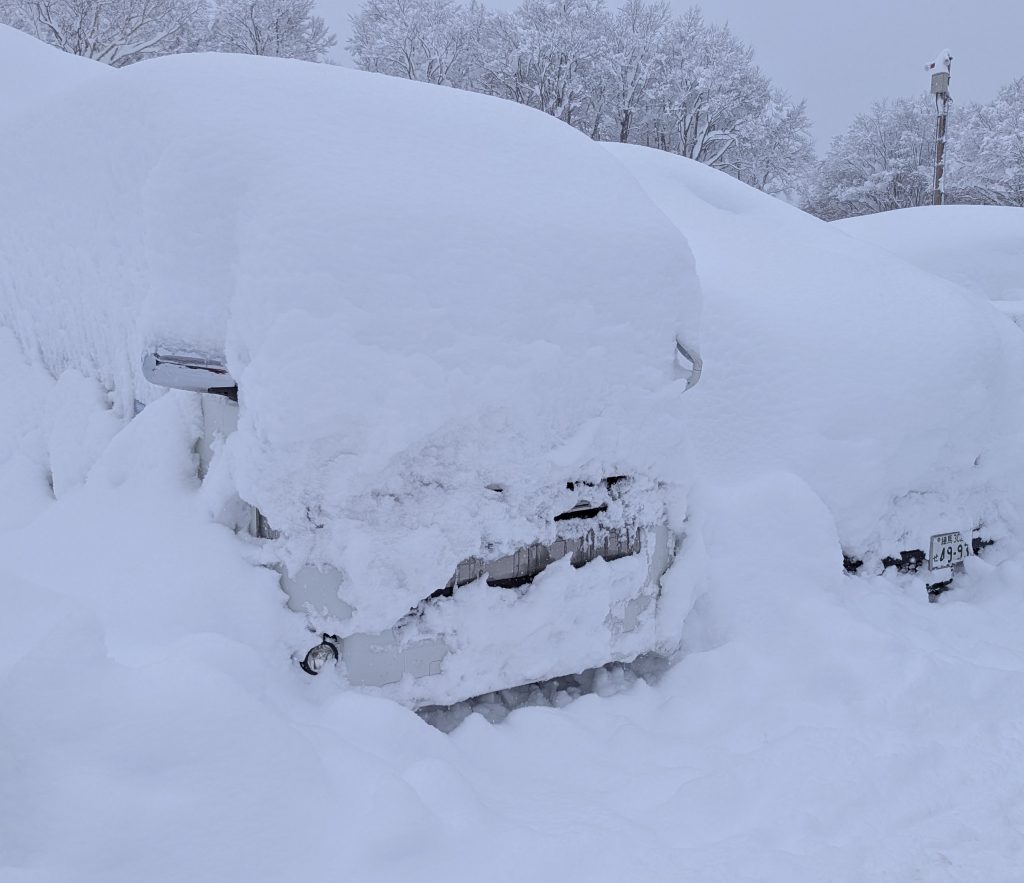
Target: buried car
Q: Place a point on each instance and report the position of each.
(978, 247)
(585, 612)
(439, 351)
(437, 345)
(895, 393)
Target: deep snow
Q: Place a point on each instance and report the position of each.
(980, 247)
(817, 726)
(421, 293)
(895, 394)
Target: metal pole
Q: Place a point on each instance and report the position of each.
(940, 69)
(942, 111)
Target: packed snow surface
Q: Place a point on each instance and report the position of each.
(816, 727)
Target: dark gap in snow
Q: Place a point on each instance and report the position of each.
(977, 544)
(583, 509)
(607, 680)
(910, 561)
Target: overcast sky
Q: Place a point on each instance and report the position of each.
(843, 54)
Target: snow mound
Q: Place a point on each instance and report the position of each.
(40, 71)
(895, 394)
(420, 292)
(979, 247)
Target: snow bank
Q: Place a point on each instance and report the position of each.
(979, 247)
(895, 394)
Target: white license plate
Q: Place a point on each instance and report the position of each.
(947, 549)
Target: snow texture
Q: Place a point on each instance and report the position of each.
(818, 726)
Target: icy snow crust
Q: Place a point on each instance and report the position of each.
(895, 394)
(421, 293)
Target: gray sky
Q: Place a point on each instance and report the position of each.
(841, 56)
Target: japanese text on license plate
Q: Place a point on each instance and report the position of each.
(947, 549)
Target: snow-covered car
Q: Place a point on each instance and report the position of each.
(895, 392)
(436, 344)
(487, 627)
(978, 247)
(432, 350)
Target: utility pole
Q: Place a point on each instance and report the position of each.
(940, 89)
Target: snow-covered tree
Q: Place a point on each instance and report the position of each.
(116, 32)
(424, 40)
(709, 90)
(883, 161)
(635, 65)
(635, 75)
(558, 44)
(281, 28)
(121, 32)
(708, 100)
(988, 149)
(777, 151)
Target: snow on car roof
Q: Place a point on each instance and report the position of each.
(233, 195)
(420, 291)
(39, 70)
(980, 247)
(880, 385)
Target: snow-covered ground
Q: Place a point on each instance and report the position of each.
(816, 727)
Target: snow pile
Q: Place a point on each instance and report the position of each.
(895, 394)
(979, 247)
(420, 291)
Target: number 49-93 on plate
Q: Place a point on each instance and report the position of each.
(947, 549)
